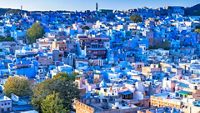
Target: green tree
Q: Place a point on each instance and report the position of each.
(40, 91)
(13, 11)
(9, 39)
(53, 104)
(65, 76)
(86, 28)
(35, 32)
(18, 85)
(136, 18)
(62, 84)
(197, 30)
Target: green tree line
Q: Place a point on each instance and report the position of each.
(50, 96)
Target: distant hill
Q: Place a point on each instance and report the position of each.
(3, 11)
(8, 10)
(193, 11)
(15, 11)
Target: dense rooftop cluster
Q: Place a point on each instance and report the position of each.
(122, 65)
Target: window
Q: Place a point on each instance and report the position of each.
(104, 100)
(139, 66)
(105, 90)
(60, 55)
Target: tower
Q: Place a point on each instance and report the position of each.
(21, 10)
(97, 7)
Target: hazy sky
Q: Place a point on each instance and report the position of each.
(90, 4)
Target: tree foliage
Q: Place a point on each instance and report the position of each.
(61, 84)
(53, 104)
(9, 39)
(13, 11)
(197, 30)
(20, 86)
(35, 32)
(65, 76)
(136, 18)
(86, 28)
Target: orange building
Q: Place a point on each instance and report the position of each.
(59, 45)
(83, 108)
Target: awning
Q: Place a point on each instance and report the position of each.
(184, 93)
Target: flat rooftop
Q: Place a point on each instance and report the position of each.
(4, 98)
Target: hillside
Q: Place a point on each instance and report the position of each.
(3, 11)
(8, 10)
(194, 10)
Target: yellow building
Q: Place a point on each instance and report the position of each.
(162, 100)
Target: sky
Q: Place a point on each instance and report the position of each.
(80, 5)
